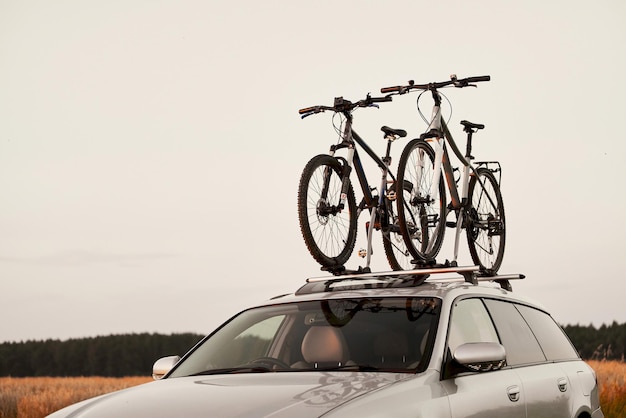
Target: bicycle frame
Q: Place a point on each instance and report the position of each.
(438, 135)
(443, 165)
(353, 160)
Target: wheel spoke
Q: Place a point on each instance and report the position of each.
(486, 226)
(420, 212)
(329, 232)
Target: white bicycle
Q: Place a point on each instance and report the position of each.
(475, 195)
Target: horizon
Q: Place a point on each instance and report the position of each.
(614, 323)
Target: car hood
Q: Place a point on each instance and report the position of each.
(302, 394)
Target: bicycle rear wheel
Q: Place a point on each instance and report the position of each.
(422, 216)
(329, 230)
(486, 229)
(398, 255)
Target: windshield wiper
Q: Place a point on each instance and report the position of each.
(234, 370)
(367, 368)
(345, 367)
(358, 368)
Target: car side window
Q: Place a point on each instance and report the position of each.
(519, 341)
(555, 344)
(470, 323)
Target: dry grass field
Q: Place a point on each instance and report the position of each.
(612, 382)
(35, 397)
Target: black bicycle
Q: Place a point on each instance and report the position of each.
(475, 195)
(327, 208)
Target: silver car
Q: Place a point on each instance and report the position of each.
(418, 344)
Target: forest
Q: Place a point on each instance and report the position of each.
(134, 354)
(110, 356)
(605, 343)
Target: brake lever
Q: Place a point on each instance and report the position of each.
(306, 115)
(460, 84)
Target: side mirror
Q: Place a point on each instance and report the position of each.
(163, 365)
(480, 357)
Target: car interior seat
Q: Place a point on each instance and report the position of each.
(323, 346)
(391, 349)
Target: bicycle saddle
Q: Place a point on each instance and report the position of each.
(390, 131)
(470, 125)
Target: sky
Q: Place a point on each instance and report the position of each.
(150, 151)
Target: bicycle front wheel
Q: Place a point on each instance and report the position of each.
(486, 229)
(329, 230)
(421, 212)
(397, 254)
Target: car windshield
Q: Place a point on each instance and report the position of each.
(356, 334)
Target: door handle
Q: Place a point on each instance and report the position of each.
(514, 393)
(562, 382)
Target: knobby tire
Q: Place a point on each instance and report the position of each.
(329, 235)
(422, 217)
(486, 229)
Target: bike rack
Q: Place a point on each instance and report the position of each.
(470, 274)
(489, 166)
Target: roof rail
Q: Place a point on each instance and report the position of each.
(470, 274)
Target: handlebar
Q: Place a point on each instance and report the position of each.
(456, 82)
(343, 105)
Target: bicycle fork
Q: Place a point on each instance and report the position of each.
(437, 144)
(458, 202)
(347, 167)
(461, 213)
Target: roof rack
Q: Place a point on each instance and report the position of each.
(470, 274)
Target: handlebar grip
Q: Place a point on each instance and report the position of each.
(381, 99)
(478, 78)
(307, 110)
(391, 89)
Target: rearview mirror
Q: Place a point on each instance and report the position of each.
(163, 365)
(480, 357)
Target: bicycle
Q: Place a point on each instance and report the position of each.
(327, 209)
(478, 206)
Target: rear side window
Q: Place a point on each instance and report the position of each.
(555, 344)
(519, 341)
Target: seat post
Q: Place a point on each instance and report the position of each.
(468, 149)
(387, 158)
(470, 128)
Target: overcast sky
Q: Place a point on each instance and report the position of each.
(150, 151)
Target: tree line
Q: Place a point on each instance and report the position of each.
(114, 355)
(134, 354)
(605, 343)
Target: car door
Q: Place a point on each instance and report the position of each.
(546, 386)
(495, 393)
(564, 362)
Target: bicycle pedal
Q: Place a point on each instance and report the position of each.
(362, 253)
